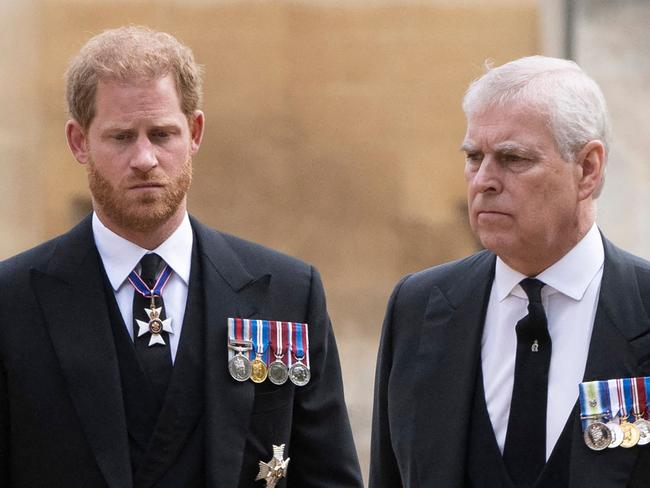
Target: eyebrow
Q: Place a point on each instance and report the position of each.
(514, 147)
(468, 146)
(502, 147)
(117, 128)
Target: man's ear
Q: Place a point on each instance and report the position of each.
(591, 160)
(197, 124)
(77, 141)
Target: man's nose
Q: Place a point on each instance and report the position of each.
(488, 178)
(144, 157)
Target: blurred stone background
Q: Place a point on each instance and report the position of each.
(332, 129)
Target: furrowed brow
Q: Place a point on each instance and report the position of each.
(468, 147)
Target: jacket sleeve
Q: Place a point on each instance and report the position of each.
(4, 428)
(384, 471)
(322, 449)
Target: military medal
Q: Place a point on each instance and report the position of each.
(593, 409)
(597, 436)
(630, 433)
(239, 346)
(617, 434)
(610, 394)
(278, 371)
(239, 365)
(275, 469)
(259, 371)
(639, 409)
(155, 326)
(299, 373)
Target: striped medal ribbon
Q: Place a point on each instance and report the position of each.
(299, 372)
(593, 412)
(239, 342)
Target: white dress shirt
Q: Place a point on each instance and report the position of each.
(570, 298)
(121, 256)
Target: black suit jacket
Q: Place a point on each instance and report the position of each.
(430, 355)
(62, 420)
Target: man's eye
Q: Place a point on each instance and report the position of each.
(473, 157)
(161, 134)
(512, 158)
(122, 137)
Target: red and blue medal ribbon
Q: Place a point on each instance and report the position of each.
(279, 340)
(238, 331)
(271, 340)
(614, 401)
(639, 400)
(646, 382)
(300, 340)
(624, 386)
(260, 329)
(142, 288)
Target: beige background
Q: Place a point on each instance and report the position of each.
(332, 133)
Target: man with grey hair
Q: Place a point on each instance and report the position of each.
(481, 360)
(143, 349)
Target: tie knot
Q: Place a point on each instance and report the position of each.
(149, 265)
(533, 288)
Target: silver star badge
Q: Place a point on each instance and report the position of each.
(275, 469)
(155, 326)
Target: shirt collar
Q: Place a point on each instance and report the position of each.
(121, 256)
(570, 275)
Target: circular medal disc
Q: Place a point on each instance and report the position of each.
(597, 436)
(631, 435)
(155, 326)
(299, 374)
(259, 372)
(240, 367)
(278, 372)
(617, 434)
(643, 426)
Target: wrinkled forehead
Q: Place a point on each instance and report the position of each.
(507, 127)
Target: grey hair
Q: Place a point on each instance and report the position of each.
(570, 101)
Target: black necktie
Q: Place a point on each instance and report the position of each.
(524, 453)
(155, 358)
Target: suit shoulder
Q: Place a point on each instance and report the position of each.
(21, 263)
(255, 257)
(253, 252)
(443, 275)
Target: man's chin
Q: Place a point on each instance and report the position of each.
(143, 217)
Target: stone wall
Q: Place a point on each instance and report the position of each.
(612, 44)
(332, 134)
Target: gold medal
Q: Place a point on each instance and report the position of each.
(631, 434)
(259, 371)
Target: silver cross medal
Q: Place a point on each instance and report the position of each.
(275, 469)
(155, 326)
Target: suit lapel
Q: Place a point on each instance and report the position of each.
(71, 293)
(620, 325)
(230, 291)
(446, 366)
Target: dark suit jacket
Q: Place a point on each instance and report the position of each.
(62, 420)
(430, 355)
